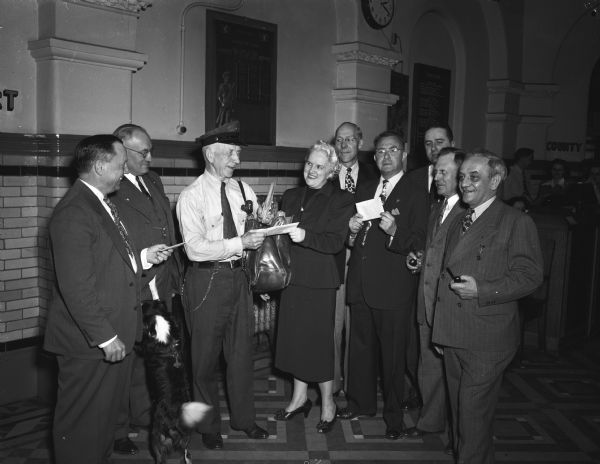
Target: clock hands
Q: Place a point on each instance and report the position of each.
(383, 5)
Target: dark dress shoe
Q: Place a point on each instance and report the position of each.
(326, 426)
(414, 402)
(283, 415)
(394, 433)
(212, 440)
(256, 433)
(347, 413)
(125, 446)
(449, 449)
(414, 432)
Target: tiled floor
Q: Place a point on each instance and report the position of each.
(549, 412)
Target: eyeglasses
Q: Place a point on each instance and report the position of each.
(390, 151)
(145, 153)
(349, 140)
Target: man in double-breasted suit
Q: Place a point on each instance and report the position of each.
(494, 253)
(94, 316)
(380, 288)
(353, 172)
(146, 212)
(432, 384)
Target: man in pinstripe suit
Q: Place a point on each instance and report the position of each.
(492, 259)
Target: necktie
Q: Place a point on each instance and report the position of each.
(142, 188)
(229, 230)
(120, 226)
(383, 195)
(350, 186)
(467, 220)
(442, 211)
(525, 189)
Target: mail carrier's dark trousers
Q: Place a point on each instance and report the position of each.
(219, 317)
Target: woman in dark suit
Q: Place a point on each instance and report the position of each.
(305, 345)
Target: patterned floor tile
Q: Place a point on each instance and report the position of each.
(549, 412)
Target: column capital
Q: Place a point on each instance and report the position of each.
(363, 52)
(364, 96)
(132, 6)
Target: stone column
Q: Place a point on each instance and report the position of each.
(362, 92)
(518, 115)
(85, 55)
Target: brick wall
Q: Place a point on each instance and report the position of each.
(34, 175)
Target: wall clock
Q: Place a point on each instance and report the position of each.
(378, 13)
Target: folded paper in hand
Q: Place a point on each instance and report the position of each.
(282, 229)
(370, 209)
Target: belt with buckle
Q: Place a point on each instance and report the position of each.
(217, 264)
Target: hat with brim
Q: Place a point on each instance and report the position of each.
(227, 133)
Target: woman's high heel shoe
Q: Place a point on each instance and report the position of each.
(326, 426)
(283, 415)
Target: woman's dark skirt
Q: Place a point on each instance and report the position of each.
(305, 326)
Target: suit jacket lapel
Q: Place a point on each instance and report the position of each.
(136, 199)
(483, 227)
(108, 224)
(157, 196)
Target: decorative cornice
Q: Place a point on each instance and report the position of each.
(66, 50)
(358, 55)
(541, 90)
(358, 51)
(520, 88)
(519, 119)
(364, 96)
(504, 86)
(133, 6)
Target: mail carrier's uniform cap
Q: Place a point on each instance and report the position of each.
(227, 133)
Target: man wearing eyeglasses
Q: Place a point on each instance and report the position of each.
(147, 214)
(381, 290)
(348, 141)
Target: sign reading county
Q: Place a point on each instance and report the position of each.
(564, 146)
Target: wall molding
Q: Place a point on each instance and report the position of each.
(54, 49)
(62, 145)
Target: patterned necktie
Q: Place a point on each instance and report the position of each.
(120, 226)
(467, 220)
(142, 188)
(383, 195)
(229, 230)
(349, 180)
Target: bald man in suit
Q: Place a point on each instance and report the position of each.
(433, 416)
(492, 259)
(146, 211)
(348, 141)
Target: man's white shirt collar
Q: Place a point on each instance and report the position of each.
(482, 207)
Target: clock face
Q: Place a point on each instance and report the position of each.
(378, 13)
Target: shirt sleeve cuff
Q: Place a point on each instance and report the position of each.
(106, 343)
(144, 260)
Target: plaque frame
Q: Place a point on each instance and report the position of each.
(430, 105)
(247, 50)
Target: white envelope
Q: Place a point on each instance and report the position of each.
(370, 209)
